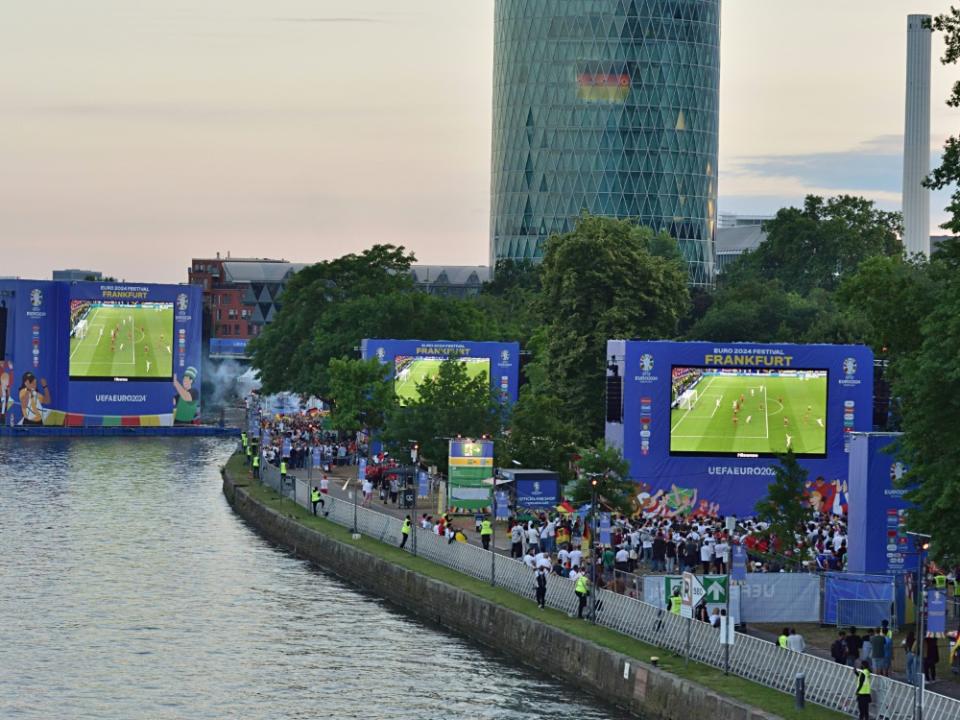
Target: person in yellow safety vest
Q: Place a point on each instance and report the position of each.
(863, 689)
(316, 499)
(486, 532)
(582, 589)
(249, 453)
(940, 581)
(283, 472)
(955, 651)
(676, 602)
(256, 466)
(243, 439)
(783, 639)
(405, 531)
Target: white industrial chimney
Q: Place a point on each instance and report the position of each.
(916, 138)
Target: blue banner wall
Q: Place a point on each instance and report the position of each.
(877, 523)
(672, 485)
(38, 341)
(504, 358)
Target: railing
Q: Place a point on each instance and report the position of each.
(827, 683)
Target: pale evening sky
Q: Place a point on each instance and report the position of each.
(137, 134)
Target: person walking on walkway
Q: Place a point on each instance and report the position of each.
(256, 466)
(486, 532)
(582, 589)
(316, 499)
(516, 541)
(405, 531)
(542, 588)
(863, 689)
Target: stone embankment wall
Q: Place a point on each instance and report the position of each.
(643, 689)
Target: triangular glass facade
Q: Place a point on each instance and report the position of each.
(609, 106)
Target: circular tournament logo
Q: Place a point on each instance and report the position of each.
(850, 367)
(36, 297)
(646, 362)
(504, 356)
(183, 302)
(381, 354)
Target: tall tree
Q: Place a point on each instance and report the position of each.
(927, 382)
(949, 171)
(784, 507)
(816, 246)
(450, 404)
(538, 436)
(605, 279)
(361, 394)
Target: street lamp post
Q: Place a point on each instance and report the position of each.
(923, 544)
(594, 541)
(493, 534)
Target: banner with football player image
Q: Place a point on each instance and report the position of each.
(703, 424)
(96, 354)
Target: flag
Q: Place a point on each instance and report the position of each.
(565, 507)
(603, 87)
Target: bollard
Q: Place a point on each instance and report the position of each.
(800, 690)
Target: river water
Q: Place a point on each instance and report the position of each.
(129, 589)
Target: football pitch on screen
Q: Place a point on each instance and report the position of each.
(772, 415)
(419, 369)
(124, 341)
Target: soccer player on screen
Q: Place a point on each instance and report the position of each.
(820, 422)
(749, 418)
(789, 441)
(786, 421)
(735, 420)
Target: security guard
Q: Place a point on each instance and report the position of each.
(940, 581)
(256, 466)
(405, 531)
(582, 590)
(863, 689)
(486, 532)
(249, 452)
(676, 602)
(283, 472)
(316, 499)
(956, 596)
(782, 640)
(243, 439)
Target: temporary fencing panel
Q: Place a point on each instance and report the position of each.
(880, 590)
(827, 683)
(780, 597)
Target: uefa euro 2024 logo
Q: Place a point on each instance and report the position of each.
(381, 354)
(536, 487)
(504, 357)
(849, 367)
(183, 302)
(36, 297)
(646, 363)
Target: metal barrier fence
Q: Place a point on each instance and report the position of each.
(827, 683)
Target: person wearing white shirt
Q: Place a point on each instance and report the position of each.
(529, 560)
(533, 538)
(706, 556)
(795, 641)
(576, 558)
(543, 560)
(720, 551)
(574, 574)
(563, 556)
(516, 541)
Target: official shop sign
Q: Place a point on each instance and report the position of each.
(536, 494)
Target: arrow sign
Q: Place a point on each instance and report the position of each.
(715, 591)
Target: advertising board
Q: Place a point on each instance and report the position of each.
(98, 354)
(702, 424)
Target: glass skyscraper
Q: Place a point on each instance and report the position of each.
(609, 106)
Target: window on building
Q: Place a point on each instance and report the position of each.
(225, 329)
(218, 315)
(243, 313)
(236, 329)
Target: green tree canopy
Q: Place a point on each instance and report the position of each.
(948, 173)
(538, 436)
(330, 306)
(604, 465)
(361, 394)
(606, 279)
(450, 404)
(816, 246)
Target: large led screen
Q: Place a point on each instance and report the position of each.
(121, 340)
(748, 412)
(410, 372)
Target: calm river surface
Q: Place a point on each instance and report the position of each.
(128, 589)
